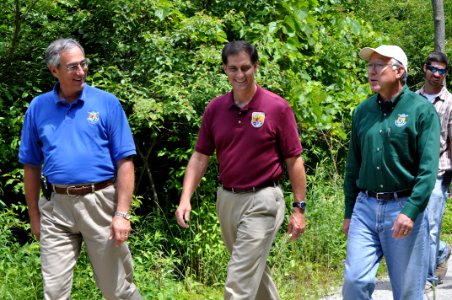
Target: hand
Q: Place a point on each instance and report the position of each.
(35, 227)
(119, 230)
(345, 226)
(402, 227)
(183, 214)
(296, 225)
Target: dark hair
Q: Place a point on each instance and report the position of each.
(235, 47)
(438, 57)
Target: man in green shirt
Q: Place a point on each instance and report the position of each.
(391, 169)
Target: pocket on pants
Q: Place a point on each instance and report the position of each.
(105, 199)
(46, 206)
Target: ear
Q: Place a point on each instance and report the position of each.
(53, 71)
(224, 67)
(400, 71)
(425, 68)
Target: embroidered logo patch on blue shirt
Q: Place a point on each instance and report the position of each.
(93, 117)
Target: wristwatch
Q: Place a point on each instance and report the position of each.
(300, 204)
(125, 215)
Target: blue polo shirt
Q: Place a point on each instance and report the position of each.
(79, 142)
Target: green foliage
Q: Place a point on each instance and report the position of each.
(162, 60)
(411, 20)
(20, 276)
(175, 263)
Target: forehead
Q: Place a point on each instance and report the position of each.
(439, 65)
(72, 55)
(241, 58)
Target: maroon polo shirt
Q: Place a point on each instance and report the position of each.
(252, 142)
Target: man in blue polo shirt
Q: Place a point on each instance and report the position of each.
(78, 137)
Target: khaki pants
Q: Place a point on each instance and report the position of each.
(249, 223)
(66, 221)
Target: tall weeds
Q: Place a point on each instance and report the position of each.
(175, 263)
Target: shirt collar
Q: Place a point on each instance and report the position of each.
(254, 103)
(390, 104)
(442, 95)
(57, 99)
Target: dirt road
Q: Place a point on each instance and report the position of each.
(383, 289)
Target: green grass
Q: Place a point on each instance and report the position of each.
(446, 234)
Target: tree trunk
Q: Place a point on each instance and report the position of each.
(438, 19)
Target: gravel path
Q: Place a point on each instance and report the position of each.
(383, 289)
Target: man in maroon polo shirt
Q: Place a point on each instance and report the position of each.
(253, 132)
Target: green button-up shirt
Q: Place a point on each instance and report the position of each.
(394, 147)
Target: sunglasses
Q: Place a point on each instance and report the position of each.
(435, 69)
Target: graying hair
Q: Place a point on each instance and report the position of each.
(56, 47)
(397, 63)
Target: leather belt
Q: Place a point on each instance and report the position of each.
(251, 189)
(81, 190)
(388, 195)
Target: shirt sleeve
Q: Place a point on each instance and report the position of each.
(30, 152)
(428, 143)
(121, 139)
(289, 137)
(352, 169)
(205, 144)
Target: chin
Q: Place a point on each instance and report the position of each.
(375, 89)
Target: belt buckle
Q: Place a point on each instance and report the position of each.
(378, 194)
(69, 187)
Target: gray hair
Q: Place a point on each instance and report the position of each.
(398, 64)
(56, 47)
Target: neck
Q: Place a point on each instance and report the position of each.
(431, 90)
(386, 96)
(69, 97)
(242, 98)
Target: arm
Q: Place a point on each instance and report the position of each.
(120, 227)
(196, 168)
(428, 142)
(297, 176)
(352, 169)
(32, 176)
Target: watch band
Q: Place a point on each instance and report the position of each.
(300, 204)
(125, 215)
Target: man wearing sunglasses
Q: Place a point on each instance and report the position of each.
(78, 137)
(436, 69)
(390, 172)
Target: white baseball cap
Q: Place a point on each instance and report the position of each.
(388, 51)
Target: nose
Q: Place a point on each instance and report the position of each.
(81, 69)
(240, 72)
(372, 69)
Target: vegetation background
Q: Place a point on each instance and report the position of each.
(162, 59)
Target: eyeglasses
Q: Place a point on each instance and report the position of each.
(435, 69)
(378, 66)
(72, 68)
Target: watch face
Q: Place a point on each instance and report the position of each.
(301, 205)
